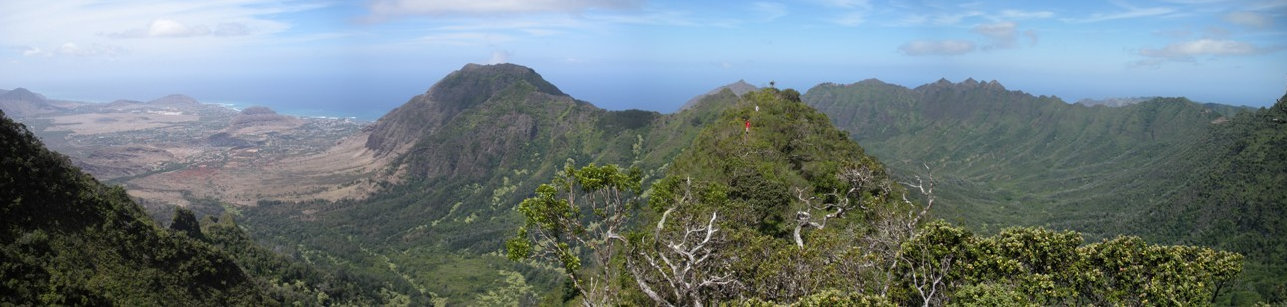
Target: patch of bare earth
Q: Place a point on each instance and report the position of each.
(347, 170)
(96, 123)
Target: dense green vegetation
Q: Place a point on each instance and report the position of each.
(69, 240)
(1166, 169)
(469, 159)
(1010, 158)
(1235, 201)
(701, 208)
(792, 211)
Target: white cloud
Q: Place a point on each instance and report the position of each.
(1201, 47)
(1131, 12)
(173, 28)
(1021, 14)
(73, 49)
(498, 57)
(166, 27)
(34, 51)
(1004, 35)
(943, 47)
(952, 19)
(654, 18)
(1001, 34)
(381, 9)
(1249, 19)
(97, 26)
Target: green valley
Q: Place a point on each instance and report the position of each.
(495, 187)
(1010, 158)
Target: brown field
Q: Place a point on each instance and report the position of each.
(96, 123)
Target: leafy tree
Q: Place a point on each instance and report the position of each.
(580, 212)
(185, 222)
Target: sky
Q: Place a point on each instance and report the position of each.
(363, 58)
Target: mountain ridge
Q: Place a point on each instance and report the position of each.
(1010, 158)
(738, 88)
(458, 91)
(21, 102)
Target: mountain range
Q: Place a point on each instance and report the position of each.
(449, 167)
(1010, 158)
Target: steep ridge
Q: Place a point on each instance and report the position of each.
(460, 90)
(69, 240)
(1235, 200)
(466, 151)
(1167, 169)
(738, 88)
(1008, 157)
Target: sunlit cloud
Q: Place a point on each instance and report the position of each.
(173, 28)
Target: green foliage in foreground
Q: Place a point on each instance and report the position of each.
(67, 239)
(792, 212)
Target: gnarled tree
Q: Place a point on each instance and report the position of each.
(581, 212)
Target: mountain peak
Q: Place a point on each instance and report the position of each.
(968, 83)
(460, 90)
(738, 88)
(994, 85)
(489, 79)
(22, 94)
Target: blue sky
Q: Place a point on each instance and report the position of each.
(363, 58)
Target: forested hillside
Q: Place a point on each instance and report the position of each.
(773, 205)
(69, 240)
(754, 198)
(468, 150)
(1235, 200)
(1009, 158)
